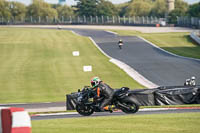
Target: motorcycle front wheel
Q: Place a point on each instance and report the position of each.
(84, 110)
(131, 108)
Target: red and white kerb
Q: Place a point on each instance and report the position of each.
(14, 120)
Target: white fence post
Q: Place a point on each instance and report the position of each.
(62, 19)
(91, 19)
(97, 20)
(70, 19)
(47, 19)
(113, 19)
(31, 19)
(39, 19)
(84, 19)
(133, 19)
(102, 19)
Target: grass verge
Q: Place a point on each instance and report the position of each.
(178, 43)
(162, 123)
(37, 65)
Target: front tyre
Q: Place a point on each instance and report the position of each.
(131, 108)
(84, 110)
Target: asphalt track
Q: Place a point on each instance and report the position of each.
(156, 65)
(75, 115)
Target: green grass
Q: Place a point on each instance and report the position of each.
(162, 123)
(178, 43)
(37, 65)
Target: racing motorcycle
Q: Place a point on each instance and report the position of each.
(120, 45)
(121, 101)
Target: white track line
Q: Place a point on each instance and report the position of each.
(140, 110)
(68, 113)
(24, 103)
(111, 32)
(157, 109)
(75, 33)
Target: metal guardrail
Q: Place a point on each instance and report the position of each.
(195, 35)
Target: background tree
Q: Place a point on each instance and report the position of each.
(194, 10)
(18, 10)
(106, 8)
(65, 11)
(55, 6)
(139, 8)
(122, 8)
(181, 9)
(87, 7)
(41, 9)
(5, 10)
(159, 8)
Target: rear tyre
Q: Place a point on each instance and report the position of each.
(131, 108)
(84, 110)
(198, 100)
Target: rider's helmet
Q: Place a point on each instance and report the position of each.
(192, 82)
(95, 81)
(192, 78)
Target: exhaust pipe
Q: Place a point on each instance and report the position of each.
(123, 106)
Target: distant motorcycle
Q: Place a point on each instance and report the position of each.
(121, 100)
(120, 45)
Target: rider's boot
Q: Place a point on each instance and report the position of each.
(109, 108)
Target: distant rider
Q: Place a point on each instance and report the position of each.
(120, 43)
(190, 82)
(102, 90)
(187, 82)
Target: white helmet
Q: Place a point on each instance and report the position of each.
(192, 78)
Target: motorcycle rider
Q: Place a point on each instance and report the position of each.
(120, 43)
(102, 90)
(192, 81)
(187, 82)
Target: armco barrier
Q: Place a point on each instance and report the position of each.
(195, 37)
(14, 120)
(164, 95)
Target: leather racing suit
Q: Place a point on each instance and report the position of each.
(105, 91)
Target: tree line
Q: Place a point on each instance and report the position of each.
(157, 8)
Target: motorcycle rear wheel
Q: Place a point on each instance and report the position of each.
(84, 110)
(133, 108)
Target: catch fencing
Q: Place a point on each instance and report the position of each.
(192, 22)
(102, 20)
(96, 20)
